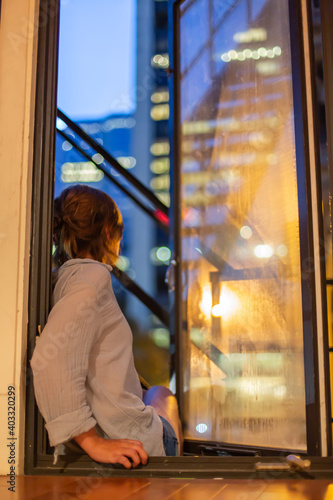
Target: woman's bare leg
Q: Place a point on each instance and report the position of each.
(165, 404)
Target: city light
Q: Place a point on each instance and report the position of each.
(160, 183)
(160, 112)
(163, 254)
(199, 127)
(268, 68)
(80, 172)
(217, 311)
(228, 304)
(262, 52)
(98, 158)
(160, 256)
(90, 128)
(116, 123)
(162, 217)
(251, 35)
(246, 232)
(60, 124)
(123, 263)
(160, 166)
(160, 61)
(225, 124)
(260, 387)
(127, 162)
(206, 301)
(164, 197)
(160, 96)
(66, 146)
(160, 148)
(161, 337)
(263, 251)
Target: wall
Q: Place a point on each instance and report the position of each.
(18, 56)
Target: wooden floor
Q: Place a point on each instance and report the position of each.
(96, 488)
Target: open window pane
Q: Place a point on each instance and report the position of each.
(243, 342)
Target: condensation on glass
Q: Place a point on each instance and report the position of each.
(241, 297)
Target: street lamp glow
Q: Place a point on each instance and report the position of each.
(217, 311)
(263, 251)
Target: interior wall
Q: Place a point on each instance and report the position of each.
(18, 57)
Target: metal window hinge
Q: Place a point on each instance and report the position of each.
(291, 462)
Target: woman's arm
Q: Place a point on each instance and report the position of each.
(112, 451)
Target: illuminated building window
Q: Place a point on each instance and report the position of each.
(160, 96)
(160, 148)
(252, 35)
(127, 162)
(160, 61)
(162, 182)
(80, 172)
(160, 166)
(268, 68)
(199, 127)
(116, 123)
(164, 197)
(160, 112)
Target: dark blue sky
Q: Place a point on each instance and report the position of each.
(97, 58)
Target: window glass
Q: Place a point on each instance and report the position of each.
(243, 329)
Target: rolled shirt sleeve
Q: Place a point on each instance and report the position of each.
(60, 363)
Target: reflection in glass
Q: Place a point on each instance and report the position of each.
(243, 364)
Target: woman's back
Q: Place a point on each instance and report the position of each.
(90, 373)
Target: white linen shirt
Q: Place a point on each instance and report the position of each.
(83, 363)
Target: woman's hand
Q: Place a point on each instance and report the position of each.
(112, 451)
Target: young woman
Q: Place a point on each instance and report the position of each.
(86, 385)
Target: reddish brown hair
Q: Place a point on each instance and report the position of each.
(86, 221)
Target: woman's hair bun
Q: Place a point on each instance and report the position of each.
(86, 221)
